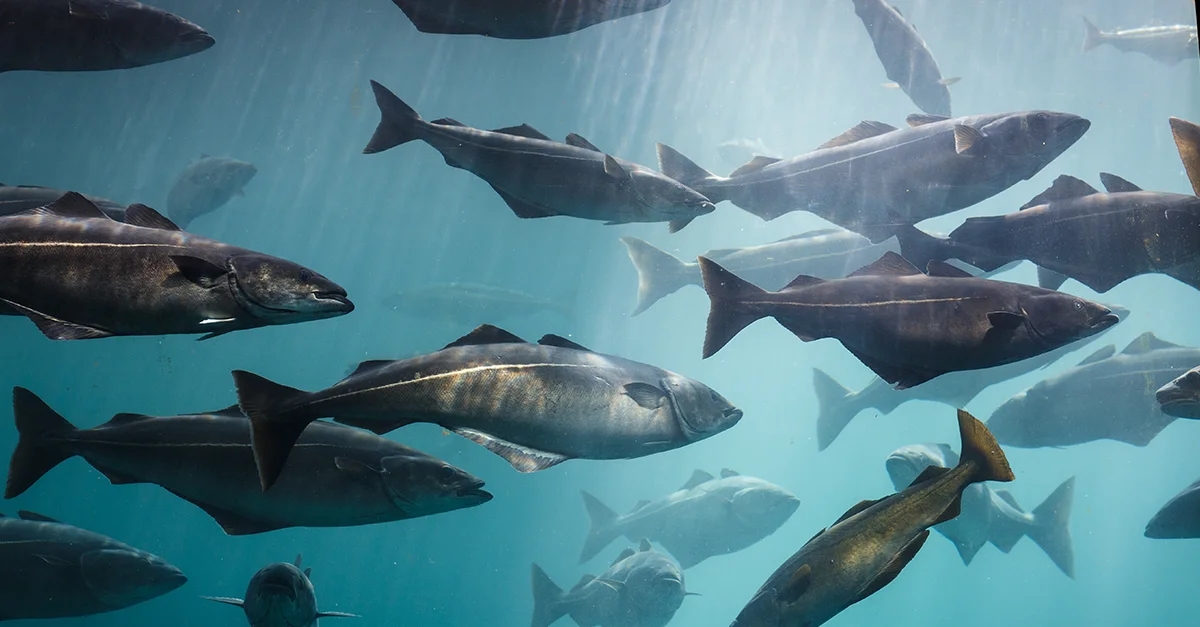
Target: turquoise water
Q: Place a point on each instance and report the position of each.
(286, 89)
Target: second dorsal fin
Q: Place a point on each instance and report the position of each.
(943, 269)
(1063, 188)
(524, 130)
(561, 342)
(757, 163)
(71, 205)
(1147, 342)
(578, 141)
(890, 264)
(698, 477)
(1114, 184)
(863, 130)
(141, 215)
(921, 119)
(486, 334)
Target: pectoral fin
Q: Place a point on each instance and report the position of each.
(796, 585)
(889, 572)
(1006, 320)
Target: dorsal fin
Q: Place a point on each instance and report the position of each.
(1063, 188)
(486, 334)
(523, 130)
(698, 477)
(727, 473)
(802, 281)
(71, 205)
(233, 411)
(930, 473)
(372, 364)
(586, 579)
(1100, 355)
(578, 141)
(299, 560)
(858, 507)
(141, 215)
(921, 119)
(557, 340)
(644, 545)
(757, 163)
(125, 418)
(890, 264)
(36, 517)
(943, 269)
(1115, 184)
(863, 130)
(448, 122)
(624, 555)
(1145, 343)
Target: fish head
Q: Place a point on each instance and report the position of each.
(121, 577)
(146, 34)
(1176, 519)
(1013, 421)
(906, 463)
(656, 586)
(1058, 319)
(1037, 137)
(420, 485)
(1181, 397)
(229, 174)
(764, 507)
(278, 291)
(666, 198)
(280, 593)
(700, 410)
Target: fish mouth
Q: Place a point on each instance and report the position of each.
(1105, 321)
(198, 39)
(279, 589)
(474, 491)
(705, 207)
(733, 413)
(339, 300)
(1175, 396)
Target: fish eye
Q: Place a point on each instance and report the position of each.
(305, 276)
(445, 473)
(1078, 305)
(716, 397)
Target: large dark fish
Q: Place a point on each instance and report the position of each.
(205, 186)
(1107, 396)
(78, 274)
(704, 518)
(872, 542)
(1181, 397)
(518, 19)
(992, 516)
(905, 56)
(535, 405)
(905, 326)
(837, 405)
(1165, 44)
(539, 177)
(874, 178)
(82, 35)
(281, 595)
(335, 477)
(642, 588)
(468, 303)
(52, 570)
(21, 198)
(1179, 518)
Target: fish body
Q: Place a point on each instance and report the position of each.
(874, 177)
(281, 595)
(990, 516)
(535, 405)
(336, 477)
(89, 35)
(1181, 396)
(872, 542)
(52, 570)
(78, 274)
(20, 198)
(905, 56)
(468, 303)
(538, 177)
(1108, 395)
(906, 326)
(205, 186)
(1179, 518)
(518, 19)
(707, 517)
(1166, 44)
(642, 588)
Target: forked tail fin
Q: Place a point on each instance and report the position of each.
(603, 527)
(1051, 527)
(36, 452)
(659, 273)
(673, 164)
(273, 428)
(398, 122)
(834, 411)
(725, 316)
(1092, 36)
(980, 447)
(547, 598)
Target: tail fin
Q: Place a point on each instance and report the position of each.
(35, 455)
(272, 432)
(920, 248)
(659, 274)
(603, 530)
(725, 290)
(1092, 36)
(833, 411)
(980, 447)
(547, 599)
(673, 164)
(397, 123)
(1050, 279)
(1051, 527)
(1187, 141)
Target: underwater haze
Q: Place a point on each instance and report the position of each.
(286, 88)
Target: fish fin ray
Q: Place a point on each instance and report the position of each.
(522, 458)
(1114, 184)
(486, 334)
(892, 570)
(523, 130)
(55, 328)
(561, 342)
(890, 264)
(698, 477)
(863, 130)
(143, 216)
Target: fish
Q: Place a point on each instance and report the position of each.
(1179, 518)
(336, 477)
(205, 186)
(518, 19)
(78, 274)
(905, 56)
(642, 588)
(706, 517)
(875, 178)
(737, 151)
(837, 405)
(281, 595)
(1107, 396)
(16, 199)
(906, 326)
(93, 35)
(535, 405)
(1181, 396)
(527, 169)
(993, 516)
(1166, 44)
(468, 303)
(52, 570)
(873, 541)
(823, 253)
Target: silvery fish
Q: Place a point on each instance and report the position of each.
(518, 19)
(1166, 44)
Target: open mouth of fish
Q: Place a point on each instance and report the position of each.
(474, 490)
(1105, 321)
(1176, 397)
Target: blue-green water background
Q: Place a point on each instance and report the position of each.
(286, 88)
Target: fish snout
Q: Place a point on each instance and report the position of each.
(1172, 394)
(334, 300)
(1105, 320)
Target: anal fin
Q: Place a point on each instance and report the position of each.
(56, 329)
(522, 458)
(524, 209)
(889, 572)
(233, 523)
(378, 427)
